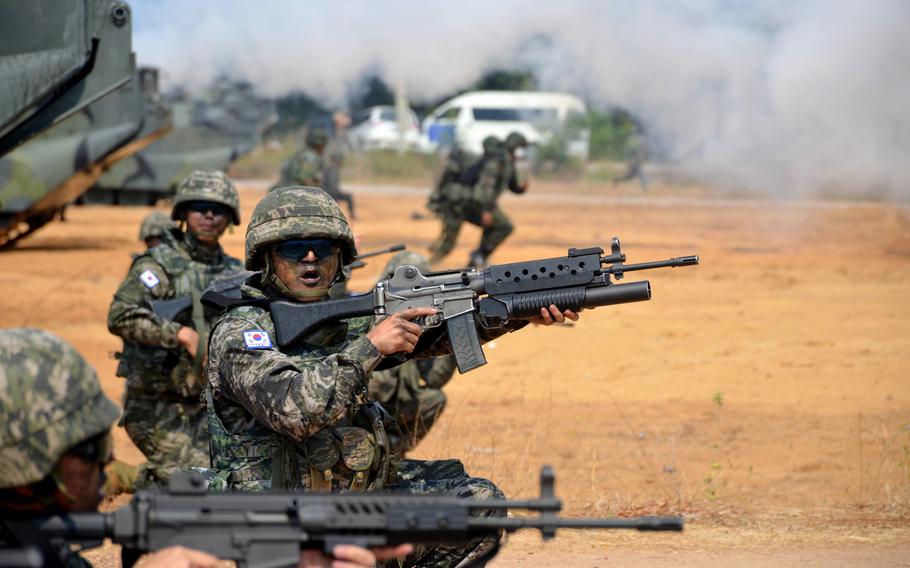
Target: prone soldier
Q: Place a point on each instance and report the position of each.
(162, 360)
(54, 443)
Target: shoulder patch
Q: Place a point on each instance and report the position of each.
(149, 279)
(257, 339)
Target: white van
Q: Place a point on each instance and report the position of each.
(470, 117)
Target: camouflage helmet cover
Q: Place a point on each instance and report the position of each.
(296, 212)
(155, 224)
(316, 137)
(214, 186)
(516, 140)
(492, 144)
(403, 258)
(50, 400)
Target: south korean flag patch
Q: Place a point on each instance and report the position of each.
(257, 339)
(149, 279)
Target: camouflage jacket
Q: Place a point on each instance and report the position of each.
(291, 417)
(494, 177)
(402, 381)
(306, 167)
(152, 361)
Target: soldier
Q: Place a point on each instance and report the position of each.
(154, 226)
(473, 198)
(56, 439)
(412, 392)
(299, 417)
(162, 360)
(312, 167)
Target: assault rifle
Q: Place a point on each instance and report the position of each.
(270, 529)
(229, 287)
(518, 290)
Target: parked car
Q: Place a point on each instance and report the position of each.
(467, 119)
(378, 127)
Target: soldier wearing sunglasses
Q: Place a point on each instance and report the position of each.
(300, 417)
(162, 360)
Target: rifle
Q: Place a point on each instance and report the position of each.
(359, 262)
(228, 286)
(270, 529)
(518, 290)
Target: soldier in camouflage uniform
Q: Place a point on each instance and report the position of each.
(54, 440)
(300, 417)
(162, 360)
(473, 198)
(153, 228)
(412, 392)
(308, 165)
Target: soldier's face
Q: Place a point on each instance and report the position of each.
(207, 221)
(306, 273)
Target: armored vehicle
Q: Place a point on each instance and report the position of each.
(72, 105)
(211, 131)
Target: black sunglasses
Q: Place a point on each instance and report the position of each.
(203, 207)
(297, 249)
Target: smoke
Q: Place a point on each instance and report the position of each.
(784, 97)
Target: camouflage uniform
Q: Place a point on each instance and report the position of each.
(299, 417)
(155, 225)
(307, 166)
(50, 401)
(412, 391)
(162, 409)
(468, 200)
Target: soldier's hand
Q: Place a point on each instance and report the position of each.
(396, 333)
(553, 315)
(178, 557)
(188, 339)
(486, 219)
(349, 556)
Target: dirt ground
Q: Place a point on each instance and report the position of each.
(764, 394)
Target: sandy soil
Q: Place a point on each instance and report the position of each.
(763, 394)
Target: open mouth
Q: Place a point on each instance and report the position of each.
(310, 276)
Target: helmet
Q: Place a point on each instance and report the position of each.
(316, 137)
(516, 140)
(402, 258)
(213, 186)
(50, 400)
(296, 212)
(155, 224)
(492, 144)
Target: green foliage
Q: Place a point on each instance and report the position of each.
(718, 398)
(610, 132)
(294, 110)
(506, 80)
(391, 165)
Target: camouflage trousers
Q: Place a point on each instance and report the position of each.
(171, 434)
(448, 477)
(492, 236)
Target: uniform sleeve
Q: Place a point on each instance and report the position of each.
(131, 316)
(443, 346)
(517, 183)
(293, 399)
(487, 188)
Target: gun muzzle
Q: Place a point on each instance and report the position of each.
(617, 294)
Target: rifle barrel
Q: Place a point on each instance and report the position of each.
(669, 263)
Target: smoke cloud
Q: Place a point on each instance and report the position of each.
(785, 97)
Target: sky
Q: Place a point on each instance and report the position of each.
(790, 98)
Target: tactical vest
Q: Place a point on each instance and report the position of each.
(354, 454)
(156, 371)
